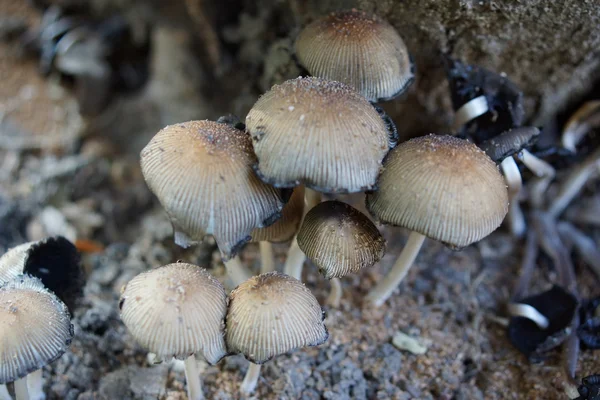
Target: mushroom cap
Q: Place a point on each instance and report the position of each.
(285, 227)
(339, 239)
(317, 132)
(359, 49)
(510, 142)
(35, 328)
(176, 310)
(271, 314)
(201, 171)
(442, 187)
(54, 260)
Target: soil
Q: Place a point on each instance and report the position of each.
(63, 173)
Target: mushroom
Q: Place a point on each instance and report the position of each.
(201, 172)
(319, 133)
(439, 187)
(359, 49)
(271, 314)
(339, 240)
(282, 230)
(54, 260)
(177, 310)
(35, 330)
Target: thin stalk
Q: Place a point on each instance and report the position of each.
(4, 395)
(251, 379)
(515, 183)
(544, 173)
(35, 384)
(192, 377)
(267, 258)
(470, 110)
(21, 391)
(236, 270)
(335, 293)
(384, 289)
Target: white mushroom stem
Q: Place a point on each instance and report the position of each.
(4, 395)
(35, 384)
(574, 182)
(295, 257)
(335, 295)
(585, 118)
(585, 246)
(236, 270)
(192, 377)
(529, 312)
(544, 173)
(470, 110)
(384, 289)
(251, 379)
(515, 183)
(267, 258)
(21, 391)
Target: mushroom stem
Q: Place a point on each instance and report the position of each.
(470, 110)
(527, 265)
(335, 294)
(295, 257)
(574, 183)
(544, 174)
(267, 258)
(529, 312)
(21, 391)
(35, 384)
(192, 377)
(585, 246)
(251, 379)
(515, 183)
(4, 395)
(236, 270)
(384, 289)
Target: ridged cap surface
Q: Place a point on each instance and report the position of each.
(201, 171)
(442, 187)
(317, 132)
(175, 311)
(35, 328)
(339, 239)
(271, 314)
(13, 262)
(285, 227)
(359, 49)
(510, 142)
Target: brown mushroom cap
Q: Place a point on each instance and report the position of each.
(442, 187)
(35, 328)
(175, 311)
(271, 314)
(339, 239)
(285, 227)
(359, 49)
(201, 171)
(317, 132)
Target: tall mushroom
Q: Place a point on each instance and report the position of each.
(359, 49)
(271, 314)
(319, 133)
(440, 187)
(35, 330)
(177, 310)
(339, 240)
(201, 171)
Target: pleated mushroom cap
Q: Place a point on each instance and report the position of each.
(201, 171)
(285, 227)
(13, 262)
(35, 328)
(442, 187)
(339, 239)
(317, 132)
(271, 314)
(510, 142)
(175, 311)
(359, 49)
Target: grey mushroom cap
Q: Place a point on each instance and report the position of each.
(510, 142)
(35, 328)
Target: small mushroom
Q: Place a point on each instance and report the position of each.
(271, 314)
(201, 171)
(54, 260)
(177, 310)
(282, 230)
(339, 240)
(359, 49)
(35, 330)
(439, 187)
